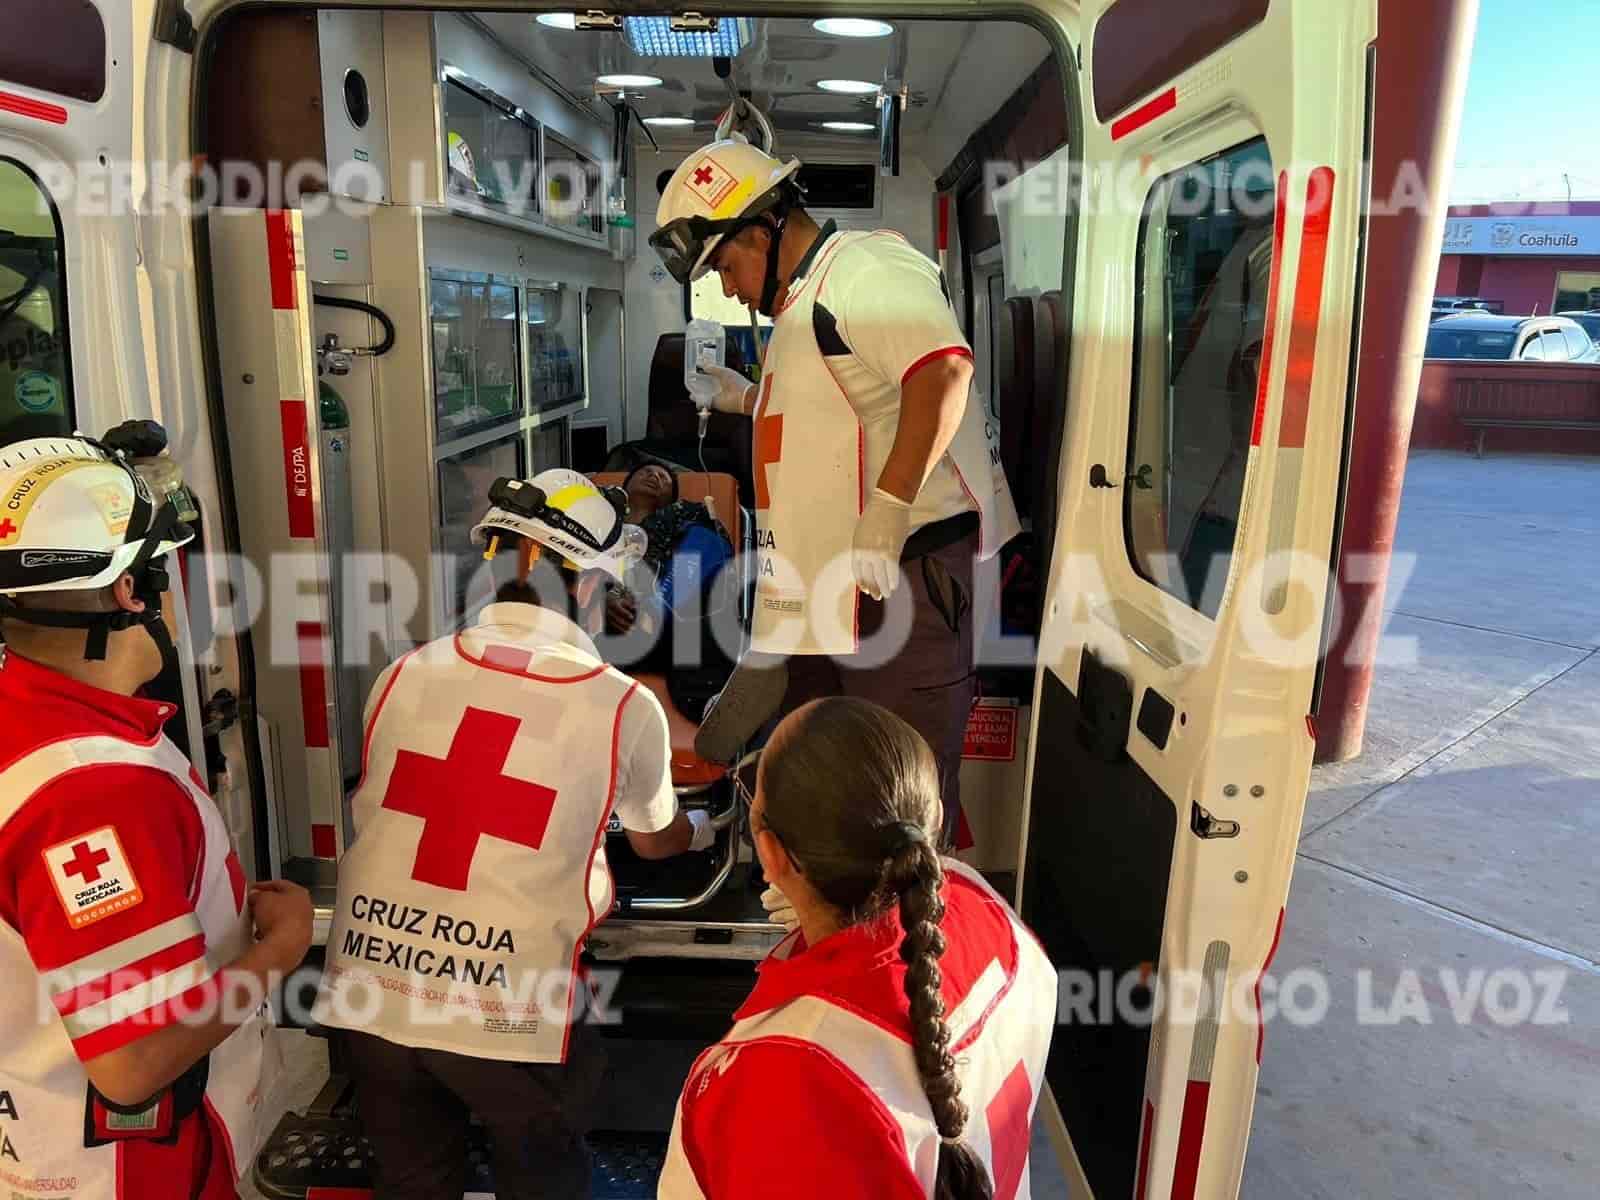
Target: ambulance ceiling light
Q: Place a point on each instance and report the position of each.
(847, 87)
(628, 81)
(853, 27)
(849, 126)
(670, 122)
(558, 20)
(656, 38)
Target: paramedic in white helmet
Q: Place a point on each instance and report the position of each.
(494, 759)
(873, 462)
(135, 959)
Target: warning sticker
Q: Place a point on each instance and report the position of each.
(712, 182)
(991, 733)
(92, 877)
(22, 495)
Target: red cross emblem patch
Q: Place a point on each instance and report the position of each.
(712, 182)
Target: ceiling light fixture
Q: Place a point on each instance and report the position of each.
(849, 126)
(854, 27)
(655, 37)
(558, 20)
(847, 87)
(670, 122)
(628, 81)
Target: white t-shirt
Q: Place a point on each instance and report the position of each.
(885, 303)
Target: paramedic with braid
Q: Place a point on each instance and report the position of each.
(901, 1029)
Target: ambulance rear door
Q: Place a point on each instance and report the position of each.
(1215, 287)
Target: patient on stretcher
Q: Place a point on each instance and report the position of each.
(679, 584)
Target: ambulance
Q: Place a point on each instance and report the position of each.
(359, 261)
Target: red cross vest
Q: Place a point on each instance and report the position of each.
(478, 868)
(41, 1076)
(1000, 1031)
(811, 485)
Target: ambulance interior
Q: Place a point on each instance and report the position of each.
(482, 301)
(460, 329)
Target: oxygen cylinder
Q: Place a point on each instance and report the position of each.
(338, 505)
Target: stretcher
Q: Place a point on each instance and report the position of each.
(690, 882)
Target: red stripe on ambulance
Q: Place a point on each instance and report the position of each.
(1160, 106)
(39, 110)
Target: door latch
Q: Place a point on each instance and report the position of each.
(1205, 826)
(1140, 479)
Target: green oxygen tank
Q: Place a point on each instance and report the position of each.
(338, 506)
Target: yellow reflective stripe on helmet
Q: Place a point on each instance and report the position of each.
(20, 496)
(736, 199)
(569, 495)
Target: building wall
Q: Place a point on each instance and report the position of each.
(1521, 282)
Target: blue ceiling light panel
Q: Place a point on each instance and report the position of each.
(656, 38)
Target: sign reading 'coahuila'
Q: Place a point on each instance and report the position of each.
(1522, 235)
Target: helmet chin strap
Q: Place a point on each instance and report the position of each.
(150, 583)
(769, 287)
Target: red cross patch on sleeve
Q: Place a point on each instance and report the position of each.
(92, 877)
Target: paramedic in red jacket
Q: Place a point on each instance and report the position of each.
(130, 982)
(901, 1030)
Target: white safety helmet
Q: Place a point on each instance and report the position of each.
(75, 516)
(715, 192)
(566, 512)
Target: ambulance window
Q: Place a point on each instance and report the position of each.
(64, 51)
(1203, 263)
(35, 370)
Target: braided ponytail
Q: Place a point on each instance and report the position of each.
(867, 846)
(917, 877)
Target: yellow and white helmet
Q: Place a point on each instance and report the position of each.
(74, 516)
(717, 190)
(567, 513)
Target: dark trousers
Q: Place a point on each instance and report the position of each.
(930, 682)
(415, 1106)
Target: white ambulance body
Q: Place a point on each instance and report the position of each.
(1173, 376)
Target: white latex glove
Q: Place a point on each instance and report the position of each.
(880, 537)
(704, 834)
(779, 909)
(732, 389)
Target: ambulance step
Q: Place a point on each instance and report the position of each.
(311, 1157)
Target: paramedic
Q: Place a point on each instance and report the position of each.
(904, 1023)
(124, 902)
(494, 760)
(871, 457)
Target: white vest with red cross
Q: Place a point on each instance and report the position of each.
(811, 484)
(43, 1081)
(479, 867)
(1000, 1036)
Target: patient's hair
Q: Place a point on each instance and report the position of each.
(866, 839)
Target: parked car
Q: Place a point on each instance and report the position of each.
(1589, 320)
(1492, 336)
(1445, 305)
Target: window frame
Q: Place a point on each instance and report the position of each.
(1177, 590)
(63, 298)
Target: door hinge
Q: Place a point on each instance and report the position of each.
(1205, 826)
(173, 26)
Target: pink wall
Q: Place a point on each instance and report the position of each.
(1521, 282)
(1526, 389)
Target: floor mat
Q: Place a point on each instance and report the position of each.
(311, 1157)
